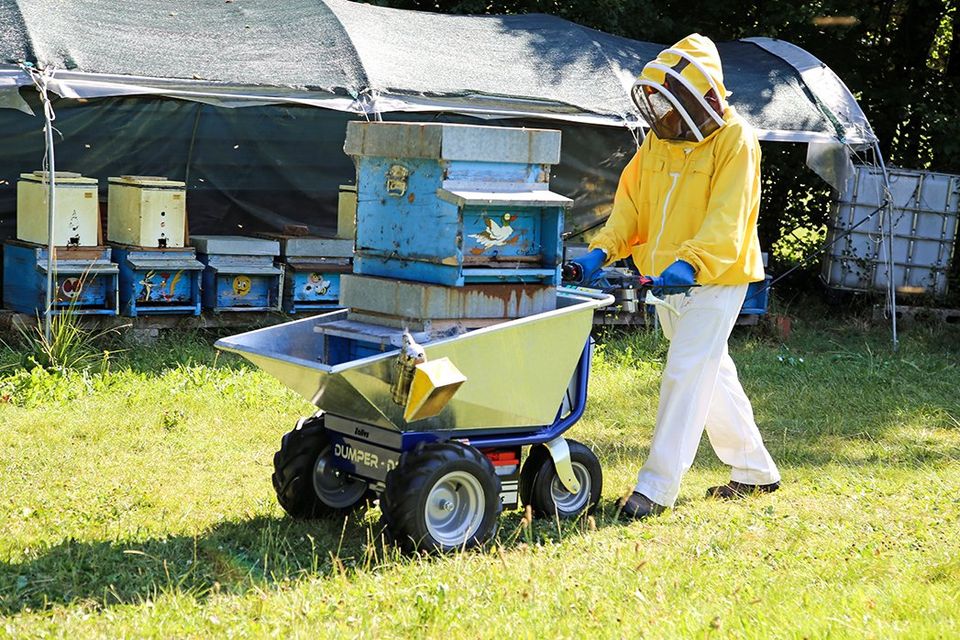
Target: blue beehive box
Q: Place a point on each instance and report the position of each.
(158, 281)
(85, 280)
(313, 285)
(757, 299)
(312, 267)
(239, 273)
(456, 204)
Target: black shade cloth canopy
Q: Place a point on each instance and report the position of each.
(363, 58)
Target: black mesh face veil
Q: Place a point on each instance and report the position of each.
(673, 108)
(665, 115)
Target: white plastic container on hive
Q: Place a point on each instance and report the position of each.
(146, 211)
(924, 215)
(76, 215)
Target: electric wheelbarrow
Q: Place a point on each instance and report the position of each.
(437, 434)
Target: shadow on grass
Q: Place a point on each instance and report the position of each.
(225, 557)
(235, 557)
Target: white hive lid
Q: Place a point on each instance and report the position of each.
(60, 177)
(148, 181)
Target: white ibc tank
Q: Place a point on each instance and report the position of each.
(924, 218)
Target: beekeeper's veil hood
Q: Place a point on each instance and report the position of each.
(680, 94)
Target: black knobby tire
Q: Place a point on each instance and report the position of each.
(547, 495)
(293, 473)
(539, 455)
(434, 475)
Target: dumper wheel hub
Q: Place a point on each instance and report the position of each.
(335, 488)
(572, 502)
(543, 490)
(454, 508)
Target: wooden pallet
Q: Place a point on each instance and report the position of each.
(148, 327)
(907, 314)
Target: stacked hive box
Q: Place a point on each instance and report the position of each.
(76, 216)
(147, 211)
(456, 225)
(146, 225)
(84, 278)
(347, 212)
(312, 267)
(239, 273)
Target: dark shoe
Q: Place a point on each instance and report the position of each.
(736, 490)
(639, 506)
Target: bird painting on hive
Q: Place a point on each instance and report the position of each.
(495, 235)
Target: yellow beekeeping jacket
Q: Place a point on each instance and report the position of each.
(691, 201)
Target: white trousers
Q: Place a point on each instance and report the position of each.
(700, 389)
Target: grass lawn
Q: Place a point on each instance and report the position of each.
(135, 501)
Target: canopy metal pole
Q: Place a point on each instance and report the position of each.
(40, 78)
(891, 285)
(51, 202)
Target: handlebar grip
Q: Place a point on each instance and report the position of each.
(571, 272)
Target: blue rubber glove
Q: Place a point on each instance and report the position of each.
(589, 266)
(677, 278)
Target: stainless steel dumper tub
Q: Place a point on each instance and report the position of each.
(442, 480)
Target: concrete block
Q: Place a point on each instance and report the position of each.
(501, 144)
(318, 248)
(235, 245)
(420, 301)
(452, 142)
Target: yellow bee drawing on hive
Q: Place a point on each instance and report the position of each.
(317, 284)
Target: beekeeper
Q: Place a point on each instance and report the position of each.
(686, 211)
